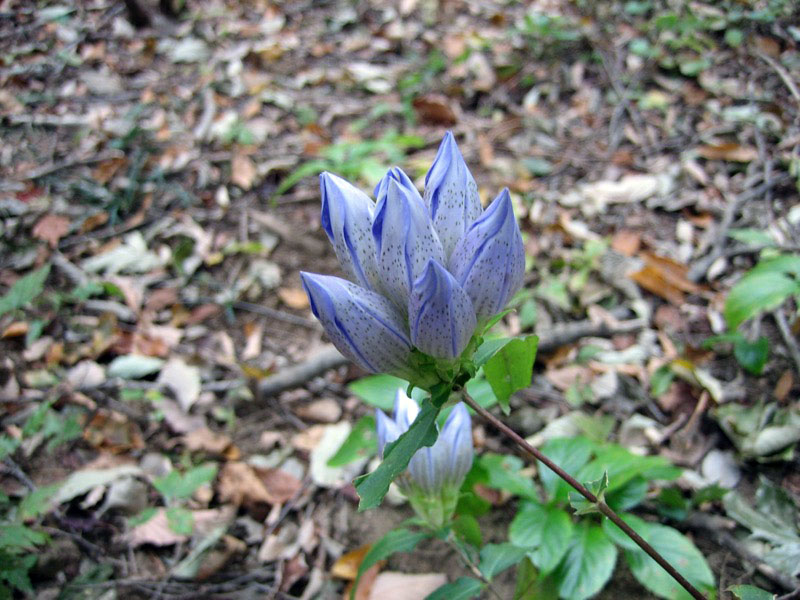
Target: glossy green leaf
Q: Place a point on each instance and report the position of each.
(531, 585)
(24, 290)
(571, 454)
(588, 564)
(511, 368)
(372, 487)
(757, 292)
(545, 531)
(378, 390)
(750, 592)
(361, 443)
(496, 558)
(462, 588)
(467, 528)
(397, 540)
(177, 486)
(503, 473)
(752, 355)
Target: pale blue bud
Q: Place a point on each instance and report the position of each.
(451, 194)
(489, 259)
(405, 240)
(394, 174)
(347, 219)
(440, 313)
(363, 325)
(443, 465)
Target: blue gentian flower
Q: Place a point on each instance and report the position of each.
(425, 272)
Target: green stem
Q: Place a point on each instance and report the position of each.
(601, 505)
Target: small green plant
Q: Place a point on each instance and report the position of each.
(356, 160)
(769, 284)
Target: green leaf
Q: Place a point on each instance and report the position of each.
(496, 558)
(757, 292)
(37, 502)
(597, 487)
(533, 586)
(180, 520)
(24, 290)
(373, 487)
(511, 368)
(750, 592)
(788, 264)
(378, 390)
(545, 531)
(481, 392)
(503, 473)
(752, 355)
(680, 553)
(462, 588)
(467, 528)
(629, 495)
(661, 380)
(134, 366)
(397, 540)
(751, 237)
(143, 517)
(571, 454)
(488, 349)
(361, 443)
(588, 564)
(175, 486)
(16, 535)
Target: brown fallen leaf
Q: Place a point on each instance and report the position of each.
(665, 277)
(205, 440)
(326, 410)
(253, 333)
(293, 298)
(280, 485)
(730, 151)
(627, 242)
(156, 530)
(217, 558)
(51, 228)
(435, 109)
(347, 565)
(240, 485)
(15, 329)
(243, 171)
(113, 432)
(784, 385)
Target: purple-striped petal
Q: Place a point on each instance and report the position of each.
(440, 313)
(363, 325)
(451, 194)
(489, 259)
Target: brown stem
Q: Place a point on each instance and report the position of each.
(601, 505)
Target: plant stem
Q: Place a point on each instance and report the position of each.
(601, 505)
(472, 566)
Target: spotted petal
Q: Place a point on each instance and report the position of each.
(363, 325)
(489, 259)
(347, 219)
(440, 313)
(451, 194)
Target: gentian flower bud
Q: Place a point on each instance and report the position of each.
(489, 259)
(347, 219)
(405, 240)
(435, 474)
(363, 325)
(451, 194)
(440, 314)
(394, 174)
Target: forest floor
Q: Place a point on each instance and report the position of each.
(158, 199)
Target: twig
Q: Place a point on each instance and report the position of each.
(698, 270)
(788, 338)
(599, 503)
(68, 164)
(48, 120)
(287, 233)
(472, 566)
(567, 333)
(327, 358)
(14, 469)
(711, 524)
(787, 79)
(275, 314)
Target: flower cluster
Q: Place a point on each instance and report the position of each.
(425, 271)
(434, 474)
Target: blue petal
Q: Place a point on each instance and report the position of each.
(489, 259)
(347, 219)
(440, 314)
(386, 429)
(405, 410)
(394, 174)
(451, 194)
(363, 325)
(456, 437)
(405, 240)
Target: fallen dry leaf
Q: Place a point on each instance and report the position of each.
(15, 329)
(113, 432)
(293, 298)
(784, 385)
(347, 565)
(280, 485)
(243, 171)
(217, 558)
(732, 151)
(205, 440)
(326, 410)
(435, 109)
(665, 278)
(51, 228)
(405, 586)
(156, 530)
(254, 333)
(627, 242)
(240, 485)
(183, 380)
